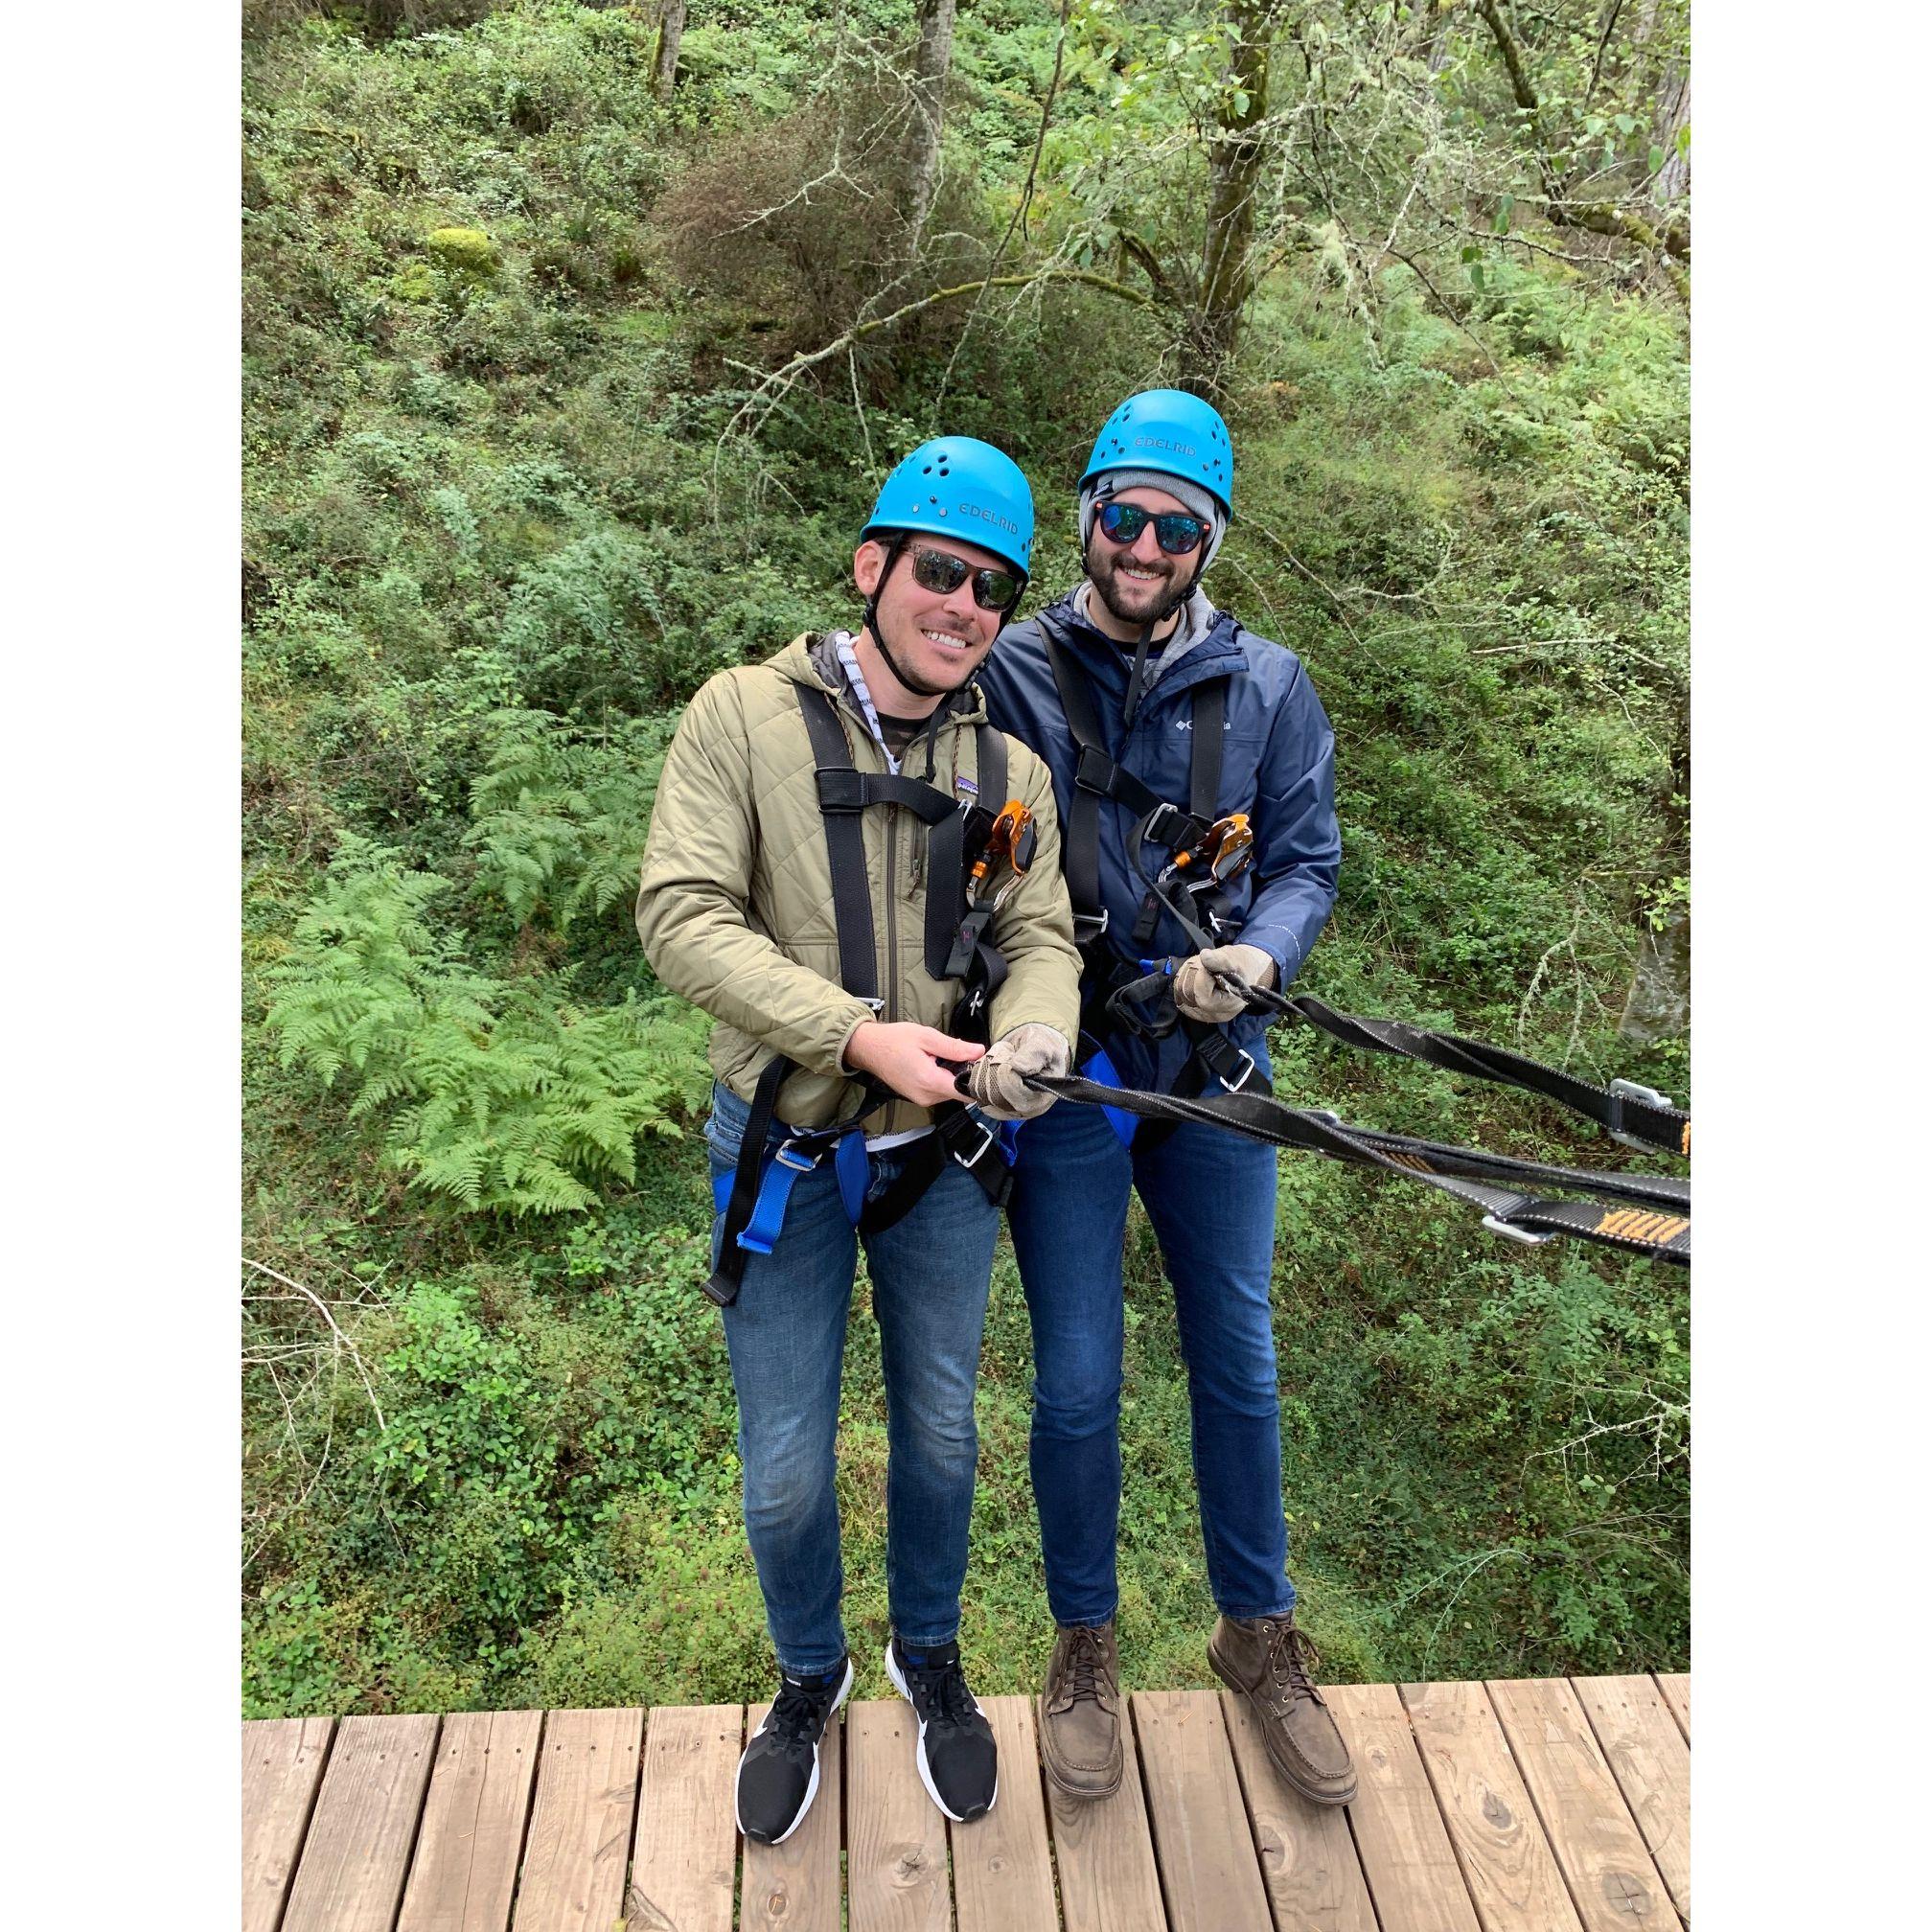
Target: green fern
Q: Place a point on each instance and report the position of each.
(558, 816)
(498, 1094)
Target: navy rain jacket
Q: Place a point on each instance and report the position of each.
(1278, 765)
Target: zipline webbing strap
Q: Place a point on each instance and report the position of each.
(1620, 1113)
(1644, 1217)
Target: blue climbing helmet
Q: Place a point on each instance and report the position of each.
(958, 487)
(1172, 433)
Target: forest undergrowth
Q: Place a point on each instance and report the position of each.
(505, 508)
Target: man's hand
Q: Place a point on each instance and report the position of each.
(1199, 996)
(908, 1058)
(998, 1085)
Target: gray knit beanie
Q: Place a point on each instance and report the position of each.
(1197, 501)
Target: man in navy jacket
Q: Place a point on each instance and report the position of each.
(1126, 687)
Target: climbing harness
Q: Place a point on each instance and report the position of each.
(1162, 822)
(959, 846)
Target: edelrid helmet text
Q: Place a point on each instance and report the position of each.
(986, 515)
(1162, 443)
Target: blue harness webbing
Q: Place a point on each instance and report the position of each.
(791, 1158)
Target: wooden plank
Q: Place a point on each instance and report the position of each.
(282, 1760)
(580, 1827)
(1104, 1849)
(685, 1864)
(357, 1851)
(1511, 1872)
(895, 1836)
(1003, 1866)
(465, 1869)
(1404, 1845)
(1614, 1882)
(1209, 1873)
(1652, 1765)
(797, 1886)
(1307, 1855)
(1675, 1685)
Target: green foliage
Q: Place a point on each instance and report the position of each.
(462, 248)
(497, 527)
(501, 1094)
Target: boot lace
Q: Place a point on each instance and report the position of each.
(1086, 1667)
(1291, 1657)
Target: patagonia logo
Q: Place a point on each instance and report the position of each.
(966, 785)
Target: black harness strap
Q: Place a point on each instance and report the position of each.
(841, 798)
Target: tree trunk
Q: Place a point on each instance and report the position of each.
(932, 62)
(1235, 172)
(1673, 179)
(670, 38)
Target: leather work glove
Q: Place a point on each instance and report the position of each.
(1199, 996)
(995, 1083)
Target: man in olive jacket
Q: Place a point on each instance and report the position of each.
(744, 904)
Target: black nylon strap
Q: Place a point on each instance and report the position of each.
(1204, 758)
(1664, 1127)
(1647, 1214)
(845, 846)
(989, 767)
(729, 1275)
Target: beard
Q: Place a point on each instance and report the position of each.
(1103, 565)
(921, 686)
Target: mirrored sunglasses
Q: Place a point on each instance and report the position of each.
(1176, 533)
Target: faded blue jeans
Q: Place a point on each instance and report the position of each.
(1210, 1196)
(786, 1334)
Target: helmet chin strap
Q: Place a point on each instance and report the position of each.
(1135, 690)
(870, 621)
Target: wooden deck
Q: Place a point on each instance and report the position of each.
(1534, 1805)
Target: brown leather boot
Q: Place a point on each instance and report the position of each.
(1267, 1661)
(1080, 1714)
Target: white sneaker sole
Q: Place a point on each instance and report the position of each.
(925, 1770)
(811, 1789)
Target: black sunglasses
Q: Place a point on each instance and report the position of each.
(1175, 533)
(943, 574)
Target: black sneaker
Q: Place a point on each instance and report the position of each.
(958, 1762)
(778, 1774)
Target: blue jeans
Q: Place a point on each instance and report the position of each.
(786, 1334)
(1210, 1196)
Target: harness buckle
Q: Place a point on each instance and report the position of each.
(841, 788)
(987, 1136)
(1621, 1091)
(1246, 1074)
(799, 1165)
(1093, 771)
(1089, 926)
(1526, 1236)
